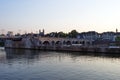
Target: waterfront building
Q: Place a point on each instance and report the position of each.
(108, 36)
(91, 35)
(10, 34)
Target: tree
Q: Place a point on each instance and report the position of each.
(73, 34)
(2, 34)
(117, 39)
(61, 34)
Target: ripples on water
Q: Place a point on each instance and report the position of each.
(47, 65)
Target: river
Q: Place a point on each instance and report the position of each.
(18, 64)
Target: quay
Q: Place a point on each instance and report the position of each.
(60, 44)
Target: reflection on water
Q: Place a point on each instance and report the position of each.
(22, 64)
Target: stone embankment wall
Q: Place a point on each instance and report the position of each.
(34, 43)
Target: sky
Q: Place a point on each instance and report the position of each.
(59, 15)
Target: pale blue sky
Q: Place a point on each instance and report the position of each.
(59, 15)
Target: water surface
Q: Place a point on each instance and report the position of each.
(18, 64)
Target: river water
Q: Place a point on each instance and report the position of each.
(18, 64)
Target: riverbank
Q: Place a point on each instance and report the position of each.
(60, 44)
(73, 49)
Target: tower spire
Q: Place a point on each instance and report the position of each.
(116, 30)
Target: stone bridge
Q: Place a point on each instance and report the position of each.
(45, 42)
(63, 41)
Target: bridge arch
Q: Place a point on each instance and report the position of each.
(58, 43)
(83, 42)
(68, 42)
(40, 42)
(73, 42)
(76, 42)
(46, 43)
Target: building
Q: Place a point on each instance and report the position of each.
(108, 36)
(10, 34)
(91, 35)
(41, 33)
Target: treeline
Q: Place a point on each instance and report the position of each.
(72, 34)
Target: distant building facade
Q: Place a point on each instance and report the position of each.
(91, 35)
(108, 36)
(10, 34)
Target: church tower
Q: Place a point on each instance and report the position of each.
(39, 32)
(43, 32)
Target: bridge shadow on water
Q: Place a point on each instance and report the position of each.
(32, 54)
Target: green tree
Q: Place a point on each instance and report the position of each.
(73, 34)
(62, 34)
(117, 41)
